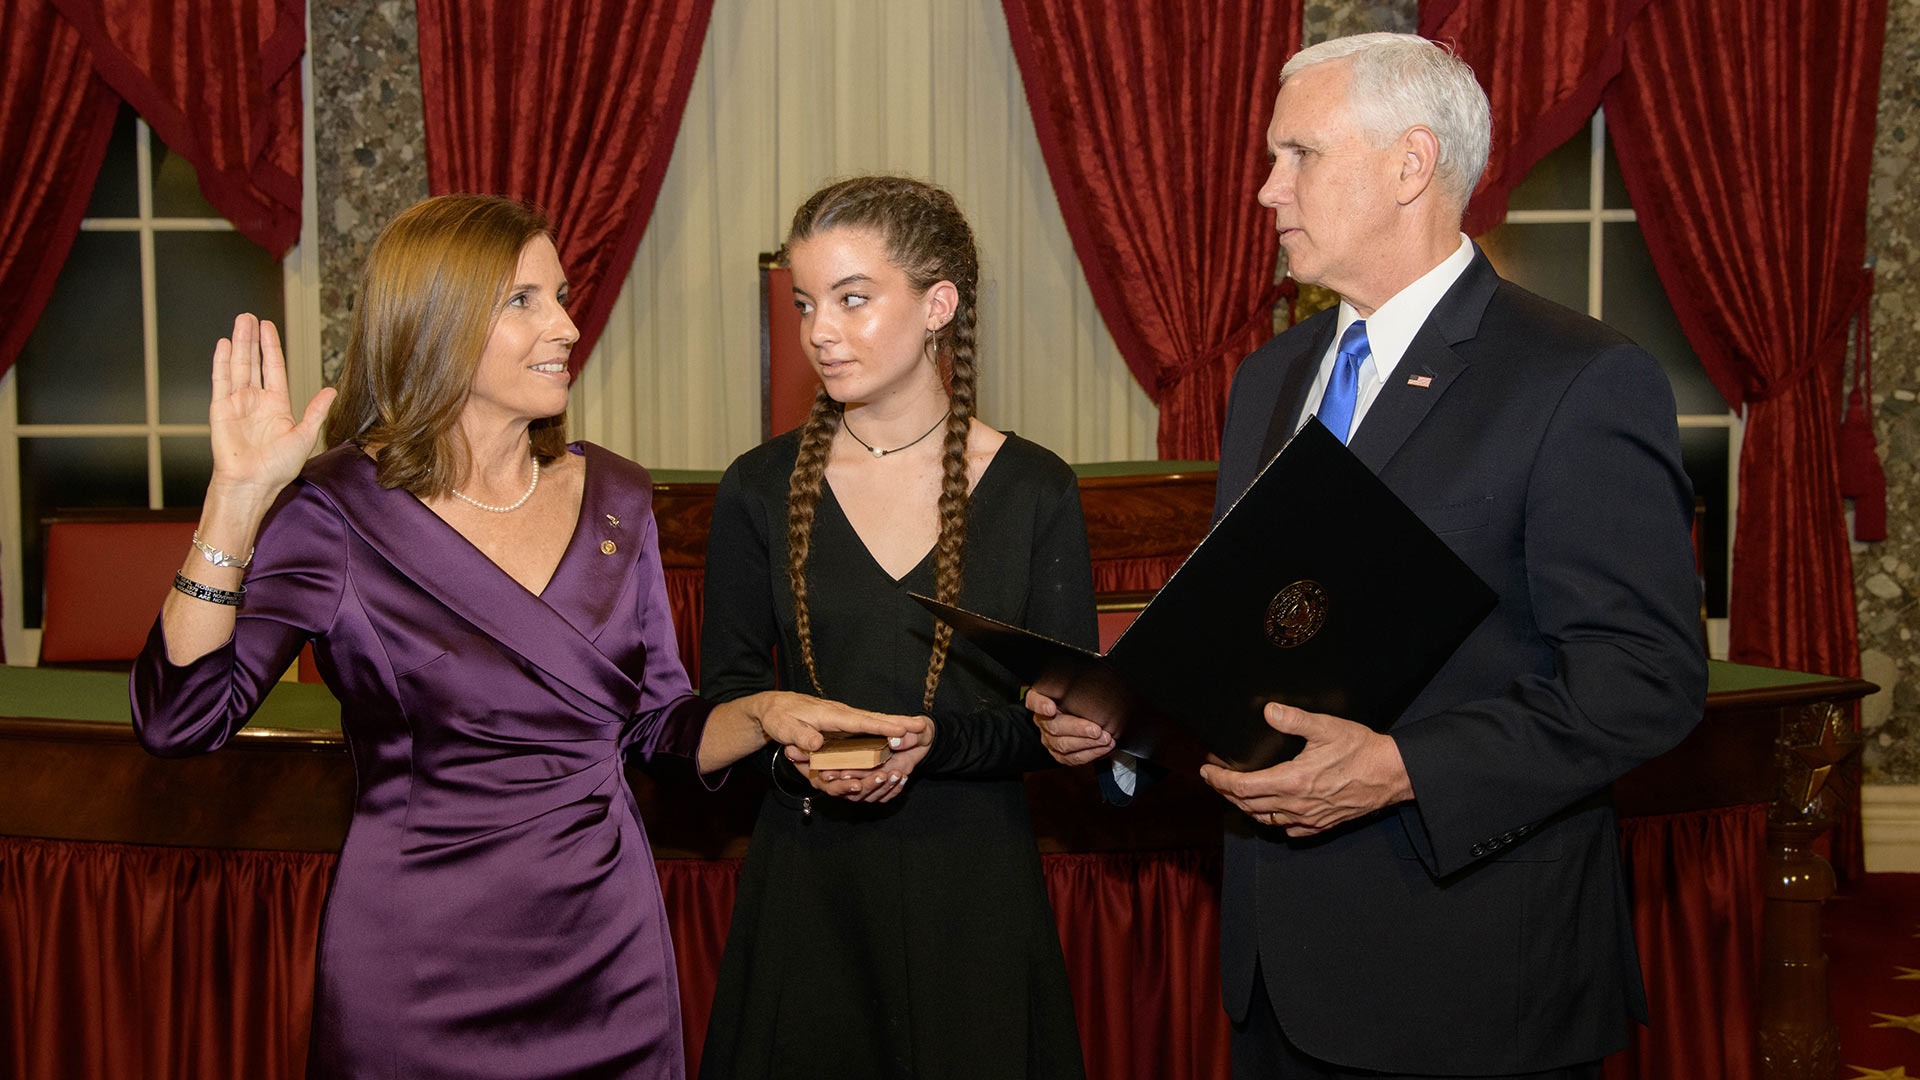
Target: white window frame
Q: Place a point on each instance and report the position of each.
(1595, 216)
(300, 280)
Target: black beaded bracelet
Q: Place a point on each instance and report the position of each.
(806, 800)
(207, 592)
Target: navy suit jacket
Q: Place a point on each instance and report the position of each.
(1484, 927)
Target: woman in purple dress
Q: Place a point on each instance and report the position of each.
(487, 602)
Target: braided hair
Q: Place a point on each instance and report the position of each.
(929, 240)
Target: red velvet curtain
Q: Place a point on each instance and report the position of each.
(1134, 574)
(699, 895)
(1141, 934)
(686, 599)
(1697, 902)
(571, 106)
(1543, 67)
(219, 82)
(55, 119)
(156, 962)
(1152, 118)
(1745, 136)
(119, 960)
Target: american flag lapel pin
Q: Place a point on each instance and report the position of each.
(1421, 381)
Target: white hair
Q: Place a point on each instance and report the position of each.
(1403, 80)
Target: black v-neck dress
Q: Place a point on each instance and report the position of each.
(911, 938)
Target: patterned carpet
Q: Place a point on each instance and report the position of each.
(1873, 949)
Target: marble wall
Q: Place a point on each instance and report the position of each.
(1326, 19)
(1885, 574)
(369, 143)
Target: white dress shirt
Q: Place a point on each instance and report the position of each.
(1390, 330)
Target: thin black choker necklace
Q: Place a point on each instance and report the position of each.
(876, 451)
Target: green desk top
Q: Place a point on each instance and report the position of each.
(684, 476)
(101, 696)
(1085, 470)
(1723, 677)
(1088, 469)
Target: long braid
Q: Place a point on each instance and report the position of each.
(962, 378)
(803, 496)
(928, 238)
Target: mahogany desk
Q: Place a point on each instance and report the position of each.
(71, 770)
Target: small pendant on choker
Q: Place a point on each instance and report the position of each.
(878, 452)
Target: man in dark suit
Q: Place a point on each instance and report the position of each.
(1446, 898)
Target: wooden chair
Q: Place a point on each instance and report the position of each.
(107, 571)
(787, 381)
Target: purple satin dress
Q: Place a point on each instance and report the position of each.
(495, 912)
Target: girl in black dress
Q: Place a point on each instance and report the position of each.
(892, 922)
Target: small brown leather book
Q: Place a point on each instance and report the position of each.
(864, 752)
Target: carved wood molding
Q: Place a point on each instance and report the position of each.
(1814, 741)
(1799, 1055)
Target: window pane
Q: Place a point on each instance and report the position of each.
(57, 474)
(1548, 259)
(1561, 180)
(82, 364)
(1613, 187)
(186, 462)
(117, 192)
(204, 279)
(1704, 453)
(1634, 304)
(176, 187)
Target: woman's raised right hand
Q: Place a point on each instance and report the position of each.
(257, 445)
(257, 450)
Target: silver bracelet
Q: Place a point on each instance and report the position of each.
(208, 593)
(220, 558)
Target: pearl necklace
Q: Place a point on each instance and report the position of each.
(504, 509)
(877, 452)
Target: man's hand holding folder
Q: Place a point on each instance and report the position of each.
(1072, 740)
(1288, 643)
(1345, 771)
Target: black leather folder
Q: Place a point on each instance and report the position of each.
(1318, 588)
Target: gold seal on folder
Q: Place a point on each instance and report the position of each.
(1296, 614)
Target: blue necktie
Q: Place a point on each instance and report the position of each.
(1343, 390)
